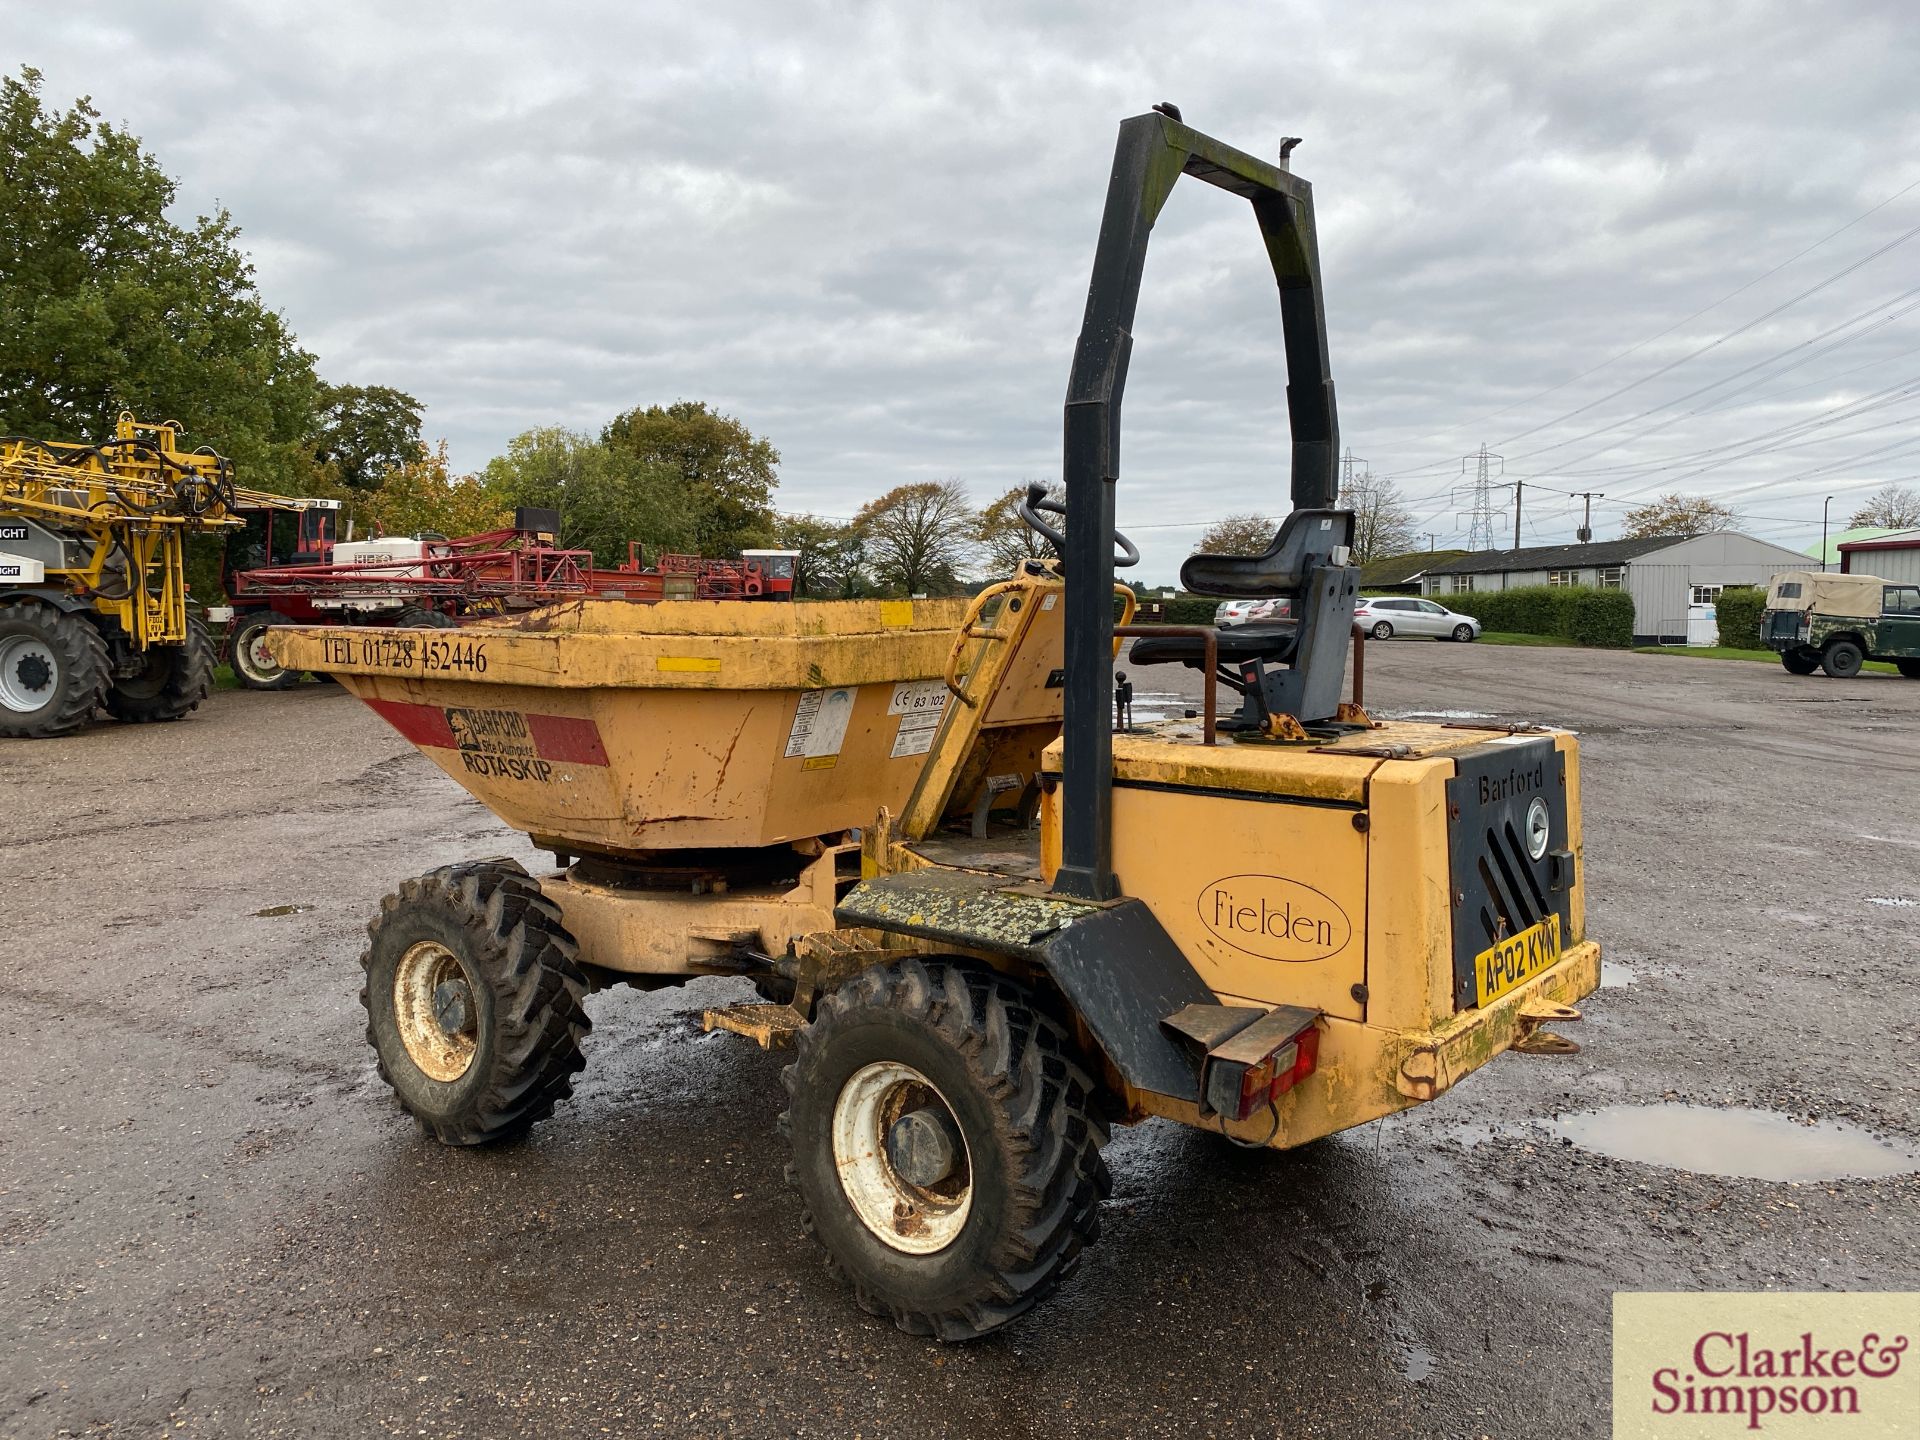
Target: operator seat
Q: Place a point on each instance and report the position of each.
(1272, 642)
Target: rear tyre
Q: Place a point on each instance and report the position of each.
(945, 1146)
(172, 682)
(1797, 663)
(253, 666)
(474, 1001)
(1842, 659)
(1908, 668)
(1462, 633)
(1381, 630)
(54, 670)
(419, 617)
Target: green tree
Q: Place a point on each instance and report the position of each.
(1677, 514)
(605, 496)
(1007, 541)
(919, 538)
(106, 304)
(831, 555)
(1245, 534)
(729, 473)
(363, 431)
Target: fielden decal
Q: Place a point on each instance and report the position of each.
(1274, 918)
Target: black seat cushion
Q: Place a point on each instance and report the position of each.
(1272, 642)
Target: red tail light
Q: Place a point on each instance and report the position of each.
(1266, 1080)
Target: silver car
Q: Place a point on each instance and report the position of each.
(1229, 613)
(1385, 616)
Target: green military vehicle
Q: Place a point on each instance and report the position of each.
(1837, 623)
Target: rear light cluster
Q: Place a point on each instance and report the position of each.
(1272, 1076)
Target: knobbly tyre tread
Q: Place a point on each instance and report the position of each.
(419, 617)
(1044, 1110)
(522, 951)
(82, 653)
(188, 683)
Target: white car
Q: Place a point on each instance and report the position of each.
(1384, 616)
(1229, 613)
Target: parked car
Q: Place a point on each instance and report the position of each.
(1229, 613)
(1837, 623)
(1384, 617)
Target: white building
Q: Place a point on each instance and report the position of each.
(1667, 575)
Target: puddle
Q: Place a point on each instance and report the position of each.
(1898, 901)
(1738, 1144)
(1416, 1364)
(1442, 715)
(1613, 974)
(273, 911)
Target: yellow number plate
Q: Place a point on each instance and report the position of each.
(1498, 969)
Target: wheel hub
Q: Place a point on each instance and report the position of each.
(29, 672)
(434, 1011)
(923, 1146)
(902, 1158)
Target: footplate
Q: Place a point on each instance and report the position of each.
(771, 1027)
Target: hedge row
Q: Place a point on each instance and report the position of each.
(1600, 618)
(1739, 608)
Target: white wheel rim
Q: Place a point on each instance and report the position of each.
(909, 1218)
(257, 659)
(441, 1054)
(34, 657)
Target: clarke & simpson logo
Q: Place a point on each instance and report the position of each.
(1783, 1365)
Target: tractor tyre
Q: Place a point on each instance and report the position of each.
(1381, 630)
(253, 667)
(1462, 634)
(419, 617)
(54, 670)
(1908, 668)
(946, 1146)
(172, 682)
(1842, 659)
(1799, 663)
(474, 1001)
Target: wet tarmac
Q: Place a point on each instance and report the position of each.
(214, 1222)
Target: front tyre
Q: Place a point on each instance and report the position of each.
(54, 670)
(1381, 630)
(1842, 659)
(473, 998)
(1908, 668)
(171, 683)
(253, 664)
(1462, 633)
(945, 1146)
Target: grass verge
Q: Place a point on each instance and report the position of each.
(1727, 652)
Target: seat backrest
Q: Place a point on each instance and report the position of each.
(1306, 539)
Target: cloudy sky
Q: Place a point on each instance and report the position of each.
(1627, 247)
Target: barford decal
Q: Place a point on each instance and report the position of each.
(1274, 918)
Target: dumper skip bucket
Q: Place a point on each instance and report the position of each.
(604, 726)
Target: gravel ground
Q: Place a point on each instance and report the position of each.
(214, 1221)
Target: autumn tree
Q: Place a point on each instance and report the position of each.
(728, 473)
(1677, 514)
(360, 432)
(422, 494)
(919, 538)
(605, 496)
(1006, 541)
(1895, 506)
(1382, 524)
(1247, 534)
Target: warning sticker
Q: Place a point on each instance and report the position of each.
(820, 724)
(913, 741)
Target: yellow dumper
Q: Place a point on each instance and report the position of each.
(989, 926)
